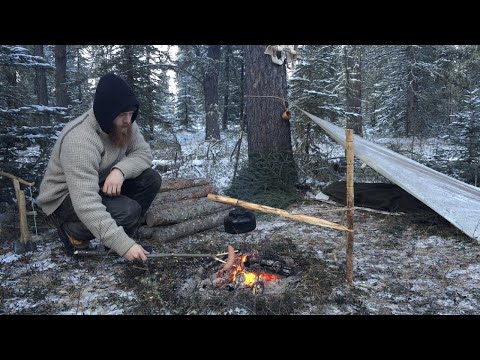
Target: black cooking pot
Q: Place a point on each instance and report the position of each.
(239, 221)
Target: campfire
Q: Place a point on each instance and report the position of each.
(244, 270)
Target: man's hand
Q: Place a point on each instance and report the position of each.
(113, 183)
(136, 252)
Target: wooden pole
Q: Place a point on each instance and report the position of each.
(350, 197)
(13, 177)
(22, 211)
(22, 205)
(267, 209)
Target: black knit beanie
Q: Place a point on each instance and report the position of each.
(112, 97)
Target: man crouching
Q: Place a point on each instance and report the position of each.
(99, 182)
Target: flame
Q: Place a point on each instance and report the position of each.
(250, 277)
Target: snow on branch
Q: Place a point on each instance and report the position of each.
(19, 56)
(36, 109)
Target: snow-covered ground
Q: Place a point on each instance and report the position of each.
(402, 264)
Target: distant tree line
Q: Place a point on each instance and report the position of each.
(407, 91)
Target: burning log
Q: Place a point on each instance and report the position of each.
(189, 227)
(276, 266)
(234, 273)
(177, 212)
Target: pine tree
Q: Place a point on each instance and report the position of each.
(189, 105)
(314, 87)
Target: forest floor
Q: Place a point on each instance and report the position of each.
(403, 264)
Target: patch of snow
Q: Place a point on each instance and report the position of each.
(9, 257)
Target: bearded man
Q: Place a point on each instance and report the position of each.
(99, 181)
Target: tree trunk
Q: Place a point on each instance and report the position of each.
(267, 132)
(172, 232)
(210, 87)
(269, 137)
(353, 75)
(79, 71)
(411, 127)
(180, 211)
(41, 84)
(129, 64)
(242, 93)
(148, 111)
(40, 79)
(183, 194)
(227, 86)
(11, 77)
(61, 93)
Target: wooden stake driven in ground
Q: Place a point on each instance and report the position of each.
(22, 206)
(271, 210)
(350, 197)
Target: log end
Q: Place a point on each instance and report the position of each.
(149, 218)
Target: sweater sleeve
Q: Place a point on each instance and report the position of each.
(138, 156)
(80, 159)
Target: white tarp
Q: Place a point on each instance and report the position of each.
(454, 200)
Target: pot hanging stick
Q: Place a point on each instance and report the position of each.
(271, 210)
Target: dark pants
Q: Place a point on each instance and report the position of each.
(127, 209)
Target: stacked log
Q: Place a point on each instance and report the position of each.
(181, 208)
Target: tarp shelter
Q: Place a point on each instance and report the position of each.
(456, 201)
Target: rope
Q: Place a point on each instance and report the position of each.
(285, 102)
(331, 210)
(34, 212)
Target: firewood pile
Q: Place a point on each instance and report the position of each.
(181, 208)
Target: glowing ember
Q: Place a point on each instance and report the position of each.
(249, 278)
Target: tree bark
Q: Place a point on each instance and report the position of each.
(227, 86)
(411, 127)
(128, 53)
(183, 194)
(40, 78)
(177, 184)
(267, 132)
(61, 94)
(242, 92)
(210, 87)
(172, 232)
(353, 75)
(176, 212)
(41, 83)
(12, 77)
(79, 71)
(269, 137)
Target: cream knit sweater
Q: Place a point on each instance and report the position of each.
(81, 159)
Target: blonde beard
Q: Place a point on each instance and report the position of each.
(120, 136)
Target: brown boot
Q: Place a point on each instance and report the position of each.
(71, 244)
